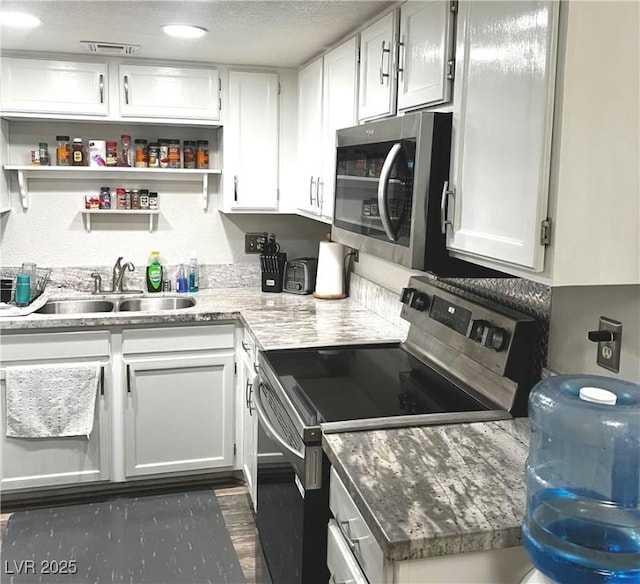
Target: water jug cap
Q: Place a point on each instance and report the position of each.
(597, 395)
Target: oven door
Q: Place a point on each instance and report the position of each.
(293, 499)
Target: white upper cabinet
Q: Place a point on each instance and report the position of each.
(502, 131)
(251, 141)
(377, 95)
(339, 110)
(176, 92)
(38, 86)
(310, 136)
(425, 54)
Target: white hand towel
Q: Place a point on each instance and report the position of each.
(49, 401)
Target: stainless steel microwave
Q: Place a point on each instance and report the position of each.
(389, 183)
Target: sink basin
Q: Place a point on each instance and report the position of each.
(135, 304)
(76, 306)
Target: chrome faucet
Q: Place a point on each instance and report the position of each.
(117, 279)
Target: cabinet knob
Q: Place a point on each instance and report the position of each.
(496, 338)
(420, 301)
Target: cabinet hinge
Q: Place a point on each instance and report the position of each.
(358, 53)
(235, 369)
(279, 88)
(219, 84)
(278, 195)
(545, 232)
(234, 449)
(220, 104)
(451, 69)
(453, 6)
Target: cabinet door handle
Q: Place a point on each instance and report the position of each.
(248, 391)
(401, 58)
(319, 198)
(383, 50)
(101, 88)
(128, 378)
(235, 188)
(245, 346)
(311, 189)
(102, 380)
(126, 89)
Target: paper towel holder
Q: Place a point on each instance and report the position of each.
(331, 271)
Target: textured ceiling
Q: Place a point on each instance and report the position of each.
(243, 32)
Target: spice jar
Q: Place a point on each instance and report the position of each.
(125, 151)
(174, 153)
(142, 160)
(153, 201)
(144, 199)
(122, 198)
(77, 153)
(44, 153)
(163, 153)
(63, 151)
(154, 155)
(112, 153)
(203, 153)
(189, 154)
(135, 199)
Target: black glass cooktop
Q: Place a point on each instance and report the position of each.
(347, 383)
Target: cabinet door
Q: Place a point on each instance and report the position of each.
(29, 463)
(169, 92)
(249, 432)
(502, 127)
(53, 87)
(425, 49)
(251, 141)
(178, 413)
(377, 95)
(339, 111)
(310, 135)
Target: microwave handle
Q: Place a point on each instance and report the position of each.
(268, 426)
(383, 191)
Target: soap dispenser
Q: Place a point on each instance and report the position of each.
(181, 278)
(193, 275)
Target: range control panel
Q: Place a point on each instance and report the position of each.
(491, 334)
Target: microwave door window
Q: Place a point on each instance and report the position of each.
(357, 206)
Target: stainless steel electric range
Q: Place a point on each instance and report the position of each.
(464, 360)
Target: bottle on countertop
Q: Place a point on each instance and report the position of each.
(181, 278)
(154, 272)
(44, 153)
(193, 273)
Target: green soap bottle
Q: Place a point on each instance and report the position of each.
(154, 272)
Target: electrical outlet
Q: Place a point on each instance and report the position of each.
(253, 242)
(609, 350)
(356, 255)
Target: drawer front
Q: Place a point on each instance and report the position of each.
(340, 561)
(248, 350)
(355, 530)
(41, 346)
(195, 338)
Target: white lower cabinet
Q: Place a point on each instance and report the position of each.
(249, 420)
(29, 463)
(353, 554)
(178, 399)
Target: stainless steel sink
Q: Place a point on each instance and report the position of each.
(76, 306)
(152, 304)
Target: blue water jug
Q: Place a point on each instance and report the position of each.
(583, 480)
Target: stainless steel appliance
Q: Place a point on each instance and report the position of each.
(300, 275)
(389, 192)
(463, 360)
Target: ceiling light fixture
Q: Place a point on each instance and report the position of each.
(184, 31)
(19, 20)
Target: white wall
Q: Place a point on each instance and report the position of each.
(575, 311)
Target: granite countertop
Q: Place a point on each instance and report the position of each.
(437, 490)
(275, 320)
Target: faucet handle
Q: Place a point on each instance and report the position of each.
(97, 283)
(129, 266)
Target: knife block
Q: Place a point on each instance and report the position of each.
(273, 271)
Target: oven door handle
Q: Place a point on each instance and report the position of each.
(383, 191)
(268, 426)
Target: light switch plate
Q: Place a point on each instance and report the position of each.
(609, 351)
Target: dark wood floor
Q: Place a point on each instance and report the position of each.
(237, 511)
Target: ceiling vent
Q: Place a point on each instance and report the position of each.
(105, 48)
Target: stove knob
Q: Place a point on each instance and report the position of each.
(420, 301)
(407, 295)
(478, 327)
(496, 338)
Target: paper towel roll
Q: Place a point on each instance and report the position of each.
(330, 275)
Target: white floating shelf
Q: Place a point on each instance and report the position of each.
(88, 212)
(26, 172)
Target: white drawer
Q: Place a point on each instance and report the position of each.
(340, 561)
(68, 345)
(193, 338)
(353, 526)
